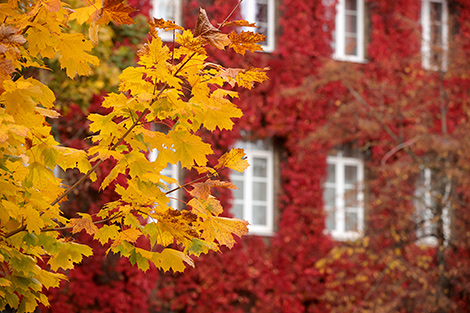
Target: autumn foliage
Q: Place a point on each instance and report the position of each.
(312, 103)
(177, 85)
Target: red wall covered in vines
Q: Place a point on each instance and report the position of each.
(275, 274)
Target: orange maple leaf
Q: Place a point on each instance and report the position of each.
(78, 224)
(206, 30)
(163, 24)
(239, 23)
(203, 190)
(229, 75)
(114, 10)
(10, 40)
(246, 41)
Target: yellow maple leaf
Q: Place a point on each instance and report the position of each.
(107, 232)
(130, 235)
(74, 54)
(189, 148)
(249, 76)
(234, 159)
(47, 112)
(205, 207)
(222, 229)
(246, 41)
(154, 53)
(85, 14)
(187, 40)
(172, 259)
(219, 112)
(103, 12)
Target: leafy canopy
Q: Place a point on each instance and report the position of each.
(178, 85)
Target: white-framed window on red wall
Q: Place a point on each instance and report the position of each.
(343, 194)
(254, 198)
(349, 34)
(262, 13)
(168, 10)
(434, 23)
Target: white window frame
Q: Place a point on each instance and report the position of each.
(340, 162)
(247, 202)
(426, 46)
(177, 19)
(340, 33)
(248, 11)
(424, 214)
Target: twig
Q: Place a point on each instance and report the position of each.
(231, 13)
(402, 145)
(96, 223)
(208, 175)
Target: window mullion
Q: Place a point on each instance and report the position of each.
(340, 210)
(248, 192)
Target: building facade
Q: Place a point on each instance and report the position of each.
(357, 193)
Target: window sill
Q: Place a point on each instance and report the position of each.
(353, 59)
(344, 236)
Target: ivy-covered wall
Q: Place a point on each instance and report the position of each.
(305, 106)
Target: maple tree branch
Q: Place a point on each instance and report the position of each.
(29, 26)
(402, 145)
(230, 14)
(119, 214)
(208, 175)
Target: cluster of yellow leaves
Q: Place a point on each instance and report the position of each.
(178, 85)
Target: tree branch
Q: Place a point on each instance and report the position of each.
(368, 106)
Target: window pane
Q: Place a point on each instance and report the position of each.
(237, 211)
(351, 45)
(166, 9)
(259, 215)
(331, 219)
(350, 172)
(350, 151)
(259, 191)
(238, 193)
(350, 198)
(329, 195)
(261, 12)
(351, 24)
(351, 5)
(260, 167)
(331, 173)
(351, 221)
(436, 12)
